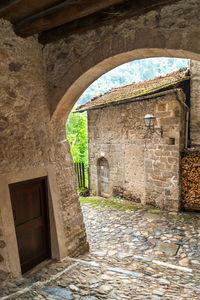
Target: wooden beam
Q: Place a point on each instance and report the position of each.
(22, 8)
(109, 16)
(60, 14)
(5, 4)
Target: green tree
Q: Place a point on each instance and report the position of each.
(77, 135)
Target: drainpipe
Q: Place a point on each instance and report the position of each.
(187, 116)
(187, 128)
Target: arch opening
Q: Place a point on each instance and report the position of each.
(131, 151)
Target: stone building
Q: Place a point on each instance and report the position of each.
(50, 52)
(126, 158)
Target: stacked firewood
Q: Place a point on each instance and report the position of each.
(190, 175)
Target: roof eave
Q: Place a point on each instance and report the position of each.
(134, 99)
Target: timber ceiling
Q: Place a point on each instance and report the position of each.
(56, 19)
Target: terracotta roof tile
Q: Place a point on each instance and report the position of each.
(134, 90)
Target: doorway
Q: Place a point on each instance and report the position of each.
(30, 212)
(103, 177)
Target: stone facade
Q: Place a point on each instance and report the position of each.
(32, 146)
(143, 165)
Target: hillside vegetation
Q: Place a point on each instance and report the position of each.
(135, 71)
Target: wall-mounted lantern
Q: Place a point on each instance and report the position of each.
(149, 120)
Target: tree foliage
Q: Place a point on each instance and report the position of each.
(77, 135)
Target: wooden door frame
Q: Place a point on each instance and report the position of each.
(57, 237)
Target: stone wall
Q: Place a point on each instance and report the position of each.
(143, 165)
(162, 155)
(30, 141)
(195, 104)
(116, 133)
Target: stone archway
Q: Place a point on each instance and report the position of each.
(73, 64)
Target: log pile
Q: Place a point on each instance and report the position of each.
(190, 175)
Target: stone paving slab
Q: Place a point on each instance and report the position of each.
(167, 248)
(125, 261)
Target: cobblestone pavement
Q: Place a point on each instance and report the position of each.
(135, 253)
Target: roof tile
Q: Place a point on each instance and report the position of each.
(135, 90)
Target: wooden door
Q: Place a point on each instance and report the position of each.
(29, 204)
(103, 177)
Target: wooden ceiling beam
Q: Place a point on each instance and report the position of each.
(5, 4)
(59, 14)
(19, 9)
(111, 15)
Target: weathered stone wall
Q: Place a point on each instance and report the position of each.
(75, 62)
(162, 155)
(28, 140)
(195, 104)
(72, 218)
(116, 133)
(143, 165)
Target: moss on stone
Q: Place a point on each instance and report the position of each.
(111, 203)
(154, 210)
